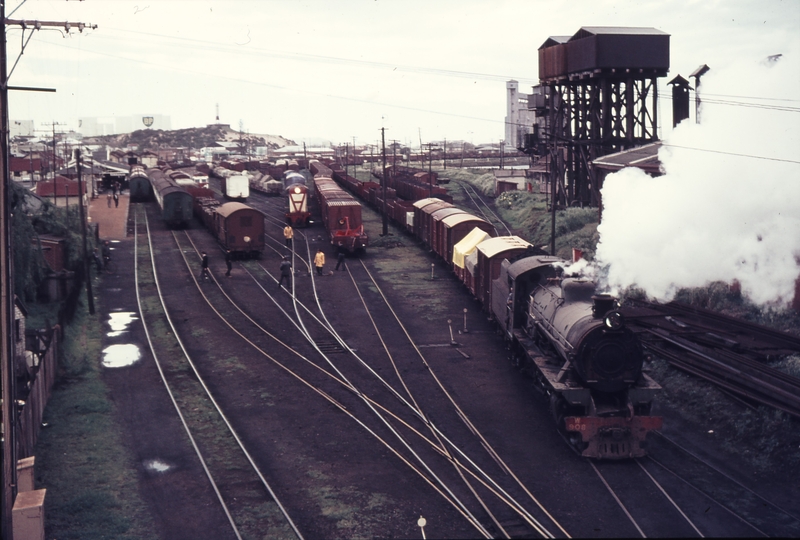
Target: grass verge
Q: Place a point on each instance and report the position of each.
(91, 481)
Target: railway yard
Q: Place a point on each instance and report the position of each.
(354, 403)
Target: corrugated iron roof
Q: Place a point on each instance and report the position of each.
(587, 31)
(643, 157)
(554, 40)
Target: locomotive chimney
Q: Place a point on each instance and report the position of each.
(603, 303)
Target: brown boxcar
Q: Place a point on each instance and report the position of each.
(426, 232)
(457, 226)
(438, 235)
(491, 254)
(239, 228)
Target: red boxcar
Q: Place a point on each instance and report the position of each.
(341, 215)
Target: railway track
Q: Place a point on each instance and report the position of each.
(364, 402)
(739, 507)
(484, 209)
(243, 493)
(312, 323)
(730, 353)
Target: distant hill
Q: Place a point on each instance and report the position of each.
(194, 138)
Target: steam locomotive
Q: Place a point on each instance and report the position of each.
(574, 342)
(581, 354)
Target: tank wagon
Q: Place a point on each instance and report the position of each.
(572, 340)
(174, 202)
(139, 184)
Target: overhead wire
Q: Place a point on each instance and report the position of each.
(706, 98)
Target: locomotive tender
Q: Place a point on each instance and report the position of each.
(573, 341)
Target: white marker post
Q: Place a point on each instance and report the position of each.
(422, 522)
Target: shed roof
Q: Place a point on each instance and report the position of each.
(554, 40)
(643, 157)
(587, 31)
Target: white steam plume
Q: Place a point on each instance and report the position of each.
(716, 215)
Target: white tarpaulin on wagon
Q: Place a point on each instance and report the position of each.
(467, 245)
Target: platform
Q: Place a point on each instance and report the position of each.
(112, 221)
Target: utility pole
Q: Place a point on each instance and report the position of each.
(86, 267)
(8, 458)
(383, 181)
(430, 170)
(394, 157)
(444, 160)
(55, 190)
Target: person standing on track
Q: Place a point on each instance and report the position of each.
(116, 199)
(319, 261)
(204, 265)
(288, 235)
(286, 273)
(228, 262)
(340, 261)
(108, 199)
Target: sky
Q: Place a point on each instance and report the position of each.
(342, 70)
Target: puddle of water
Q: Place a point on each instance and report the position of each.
(119, 322)
(115, 356)
(156, 466)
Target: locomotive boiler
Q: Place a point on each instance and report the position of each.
(581, 354)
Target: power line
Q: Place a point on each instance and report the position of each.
(402, 107)
(730, 153)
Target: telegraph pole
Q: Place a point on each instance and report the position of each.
(86, 267)
(430, 169)
(8, 465)
(383, 181)
(9, 409)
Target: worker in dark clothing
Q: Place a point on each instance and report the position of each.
(116, 199)
(340, 260)
(97, 262)
(286, 273)
(228, 263)
(106, 252)
(204, 265)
